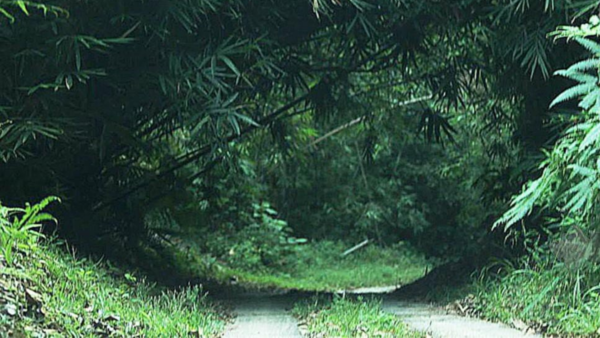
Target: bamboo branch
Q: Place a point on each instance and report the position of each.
(356, 247)
(337, 130)
(360, 119)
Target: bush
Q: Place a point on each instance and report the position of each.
(265, 242)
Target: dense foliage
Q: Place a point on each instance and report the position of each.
(554, 288)
(251, 127)
(123, 110)
(257, 137)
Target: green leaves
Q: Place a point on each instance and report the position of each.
(524, 203)
(587, 89)
(25, 6)
(17, 136)
(570, 175)
(575, 92)
(19, 227)
(434, 127)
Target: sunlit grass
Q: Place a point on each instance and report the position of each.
(320, 267)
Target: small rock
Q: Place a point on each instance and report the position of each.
(197, 333)
(112, 318)
(519, 325)
(33, 297)
(10, 309)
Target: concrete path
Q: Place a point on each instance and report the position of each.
(263, 316)
(438, 324)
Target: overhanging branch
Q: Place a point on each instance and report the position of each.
(192, 156)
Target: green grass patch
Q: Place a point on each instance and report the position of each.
(547, 296)
(54, 294)
(45, 292)
(345, 317)
(319, 266)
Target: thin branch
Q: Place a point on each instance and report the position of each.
(337, 130)
(360, 119)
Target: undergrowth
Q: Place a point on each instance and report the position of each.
(45, 292)
(545, 295)
(318, 266)
(345, 317)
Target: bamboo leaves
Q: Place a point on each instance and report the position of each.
(17, 135)
(25, 6)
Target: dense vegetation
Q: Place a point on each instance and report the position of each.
(254, 141)
(46, 292)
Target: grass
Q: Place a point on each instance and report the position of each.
(545, 295)
(319, 267)
(345, 317)
(45, 292)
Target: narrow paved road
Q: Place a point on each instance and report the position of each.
(263, 316)
(438, 324)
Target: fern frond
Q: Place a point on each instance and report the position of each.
(46, 201)
(583, 171)
(591, 137)
(588, 44)
(589, 100)
(583, 193)
(573, 92)
(523, 204)
(587, 64)
(577, 76)
(33, 215)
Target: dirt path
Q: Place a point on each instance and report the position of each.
(438, 324)
(263, 316)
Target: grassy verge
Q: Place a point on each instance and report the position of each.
(45, 292)
(345, 317)
(546, 296)
(319, 267)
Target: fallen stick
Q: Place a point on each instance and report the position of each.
(356, 247)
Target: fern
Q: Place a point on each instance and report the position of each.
(19, 227)
(577, 76)
(588, 64)
(592, 137)
(571, 170)
(573, 92)
(588, 44)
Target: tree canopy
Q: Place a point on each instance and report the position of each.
(130, 109)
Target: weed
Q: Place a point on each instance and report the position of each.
(546, 295)
(345, 317)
